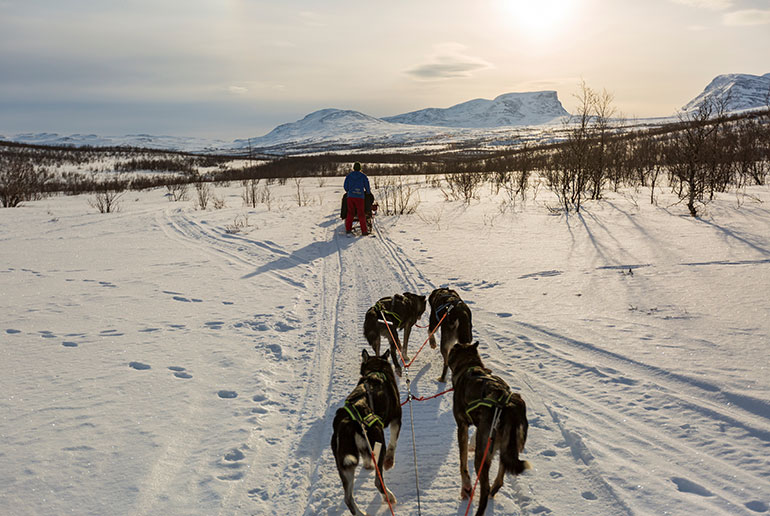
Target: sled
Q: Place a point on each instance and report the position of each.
(370, 209)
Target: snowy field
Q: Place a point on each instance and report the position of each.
(153, 363)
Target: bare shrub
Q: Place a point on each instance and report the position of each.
(463, 186)
(399, 197)
(177, 192)
(202, 194)
(107, 201)
(239, 225)
(250, 193)
(20, 181)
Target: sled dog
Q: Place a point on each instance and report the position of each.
(389, 315)
(373, 405)
(478, 394)
(456, 327)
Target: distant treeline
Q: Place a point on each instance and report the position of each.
(703, 153)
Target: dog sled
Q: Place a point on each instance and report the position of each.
(370, 209)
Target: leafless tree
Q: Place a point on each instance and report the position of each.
(19, 180)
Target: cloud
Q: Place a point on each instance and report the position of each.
(714, 5)
(448, 61)
(747, 17)
(238, 90)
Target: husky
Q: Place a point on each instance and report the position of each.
(478, 396)
(373, 405)
(456, 326)
(389, 315)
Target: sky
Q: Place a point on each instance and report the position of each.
(231, 69)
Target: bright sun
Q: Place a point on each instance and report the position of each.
(536, 16)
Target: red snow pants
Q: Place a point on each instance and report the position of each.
(356, 206)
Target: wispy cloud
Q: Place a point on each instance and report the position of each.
(238, 90)
(448, 61)
(714, 5)
(747, 17)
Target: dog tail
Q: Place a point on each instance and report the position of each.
(464, 330)
(513, 433)
(343, 442)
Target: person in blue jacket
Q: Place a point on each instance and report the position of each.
(357, 186)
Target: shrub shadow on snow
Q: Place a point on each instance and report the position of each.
(303, 256)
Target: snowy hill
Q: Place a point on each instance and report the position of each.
(740, 91)
(531, 108)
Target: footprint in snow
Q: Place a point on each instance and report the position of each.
(588, 495)
(504, 315)
(11, 331)
(180, 372)
(69, 344)
(757, 506)
(227, 394)
(688, 486)
(138, 366)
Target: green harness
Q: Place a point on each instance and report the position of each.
(350, 403)
(489, 402)
(380, 307)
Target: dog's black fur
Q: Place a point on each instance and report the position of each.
(375, 395)
(401, 312)
(473, 382)
(456, 327)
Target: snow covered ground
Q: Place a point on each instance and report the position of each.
(153, 363)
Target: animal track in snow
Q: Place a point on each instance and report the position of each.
(47, 334)
(214, 325)
(11, 331)
(180, 372)
(757, 506)
(688, 486)
(69, 344)
(138, 366)
(227, 394)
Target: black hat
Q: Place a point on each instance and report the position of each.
(357, 166)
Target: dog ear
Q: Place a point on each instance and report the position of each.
(385, 355)
(476, 346)
(364, 355)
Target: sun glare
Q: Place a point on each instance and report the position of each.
(538, 16)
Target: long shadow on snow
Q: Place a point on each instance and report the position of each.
(303, 256)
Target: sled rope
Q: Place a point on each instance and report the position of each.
(484, 458)
(425, 398)
(411, 417)
(426, 340)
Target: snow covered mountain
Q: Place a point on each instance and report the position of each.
(739, 90)
(530, 108)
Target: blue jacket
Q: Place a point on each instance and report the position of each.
(356, 183)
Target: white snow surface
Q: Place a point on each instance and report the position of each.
(154, 363)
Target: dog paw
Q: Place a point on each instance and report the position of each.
(391, 497)
(432, 345)
(389, 462)
(465, 492)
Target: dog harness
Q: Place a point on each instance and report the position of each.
(371, 418)
(380, 308)
(490, 402)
